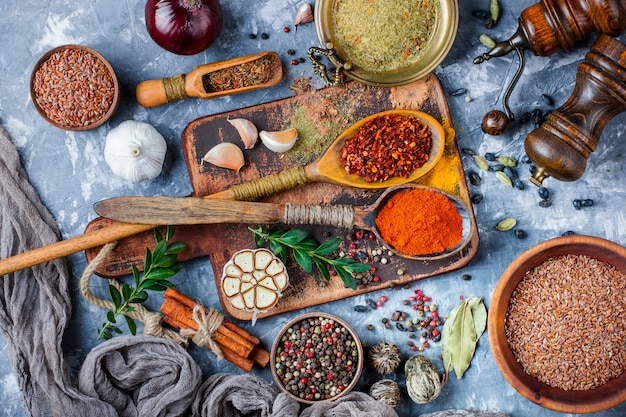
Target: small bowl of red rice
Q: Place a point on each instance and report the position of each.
(73, 87)
(557, 324)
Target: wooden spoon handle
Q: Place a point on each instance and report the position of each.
(270, 184)
(152, 93)
(72, 245)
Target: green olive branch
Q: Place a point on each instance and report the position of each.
(159, 266)
(306, 251)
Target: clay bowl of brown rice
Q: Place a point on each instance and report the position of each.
(73, 87)
(557, 324)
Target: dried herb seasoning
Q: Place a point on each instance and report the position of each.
(384, 36)
(247, 74)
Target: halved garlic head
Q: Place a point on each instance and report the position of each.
(280, 141)
(253, 280)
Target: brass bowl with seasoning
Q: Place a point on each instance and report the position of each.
(556, 305)
(316, 357)
(73, 87)
(385, 43)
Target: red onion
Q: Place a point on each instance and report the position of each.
(184, 27)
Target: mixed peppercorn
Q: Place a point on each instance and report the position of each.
(316, 359)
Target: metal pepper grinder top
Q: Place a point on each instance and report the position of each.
(545, 28)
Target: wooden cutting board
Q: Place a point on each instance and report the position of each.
(319, 116)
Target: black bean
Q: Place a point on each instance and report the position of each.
(360, 308)
(543, 192)
(587, 202)
(547, 99)
(459, 92)
(496, 167)
(480, 13)
(474, 178)
(545, 203)
(510, 172)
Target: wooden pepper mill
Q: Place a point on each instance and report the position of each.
(561, 146)
(547, 27)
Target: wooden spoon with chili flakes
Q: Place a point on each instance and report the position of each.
(328, 167)
(217, 79)
(161, 211)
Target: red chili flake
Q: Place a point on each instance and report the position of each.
(387, 146)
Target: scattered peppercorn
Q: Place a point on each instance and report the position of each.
(252, 36)
(547, 99)
(294, 62)
(301, 60)
(264, 35)
(543, 192)
(569, 233)
(459, 92)
(519, 233)
(468, 151)
(490, 156)
(474, 178)
(291, 52)
(545, 203)
(466, 277)
(286, 29)
(519, 184)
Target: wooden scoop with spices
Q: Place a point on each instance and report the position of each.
(217, 79)
(417, 222)
(379, 151)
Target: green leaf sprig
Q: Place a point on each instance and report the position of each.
(306, 251)
(460, 333)
(159, 266)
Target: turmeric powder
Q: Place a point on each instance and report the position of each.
(420, 222)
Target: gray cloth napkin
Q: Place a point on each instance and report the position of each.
(140, 376)
(354, 404)
(228, 395)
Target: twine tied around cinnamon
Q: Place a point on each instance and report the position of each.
(152, 321)
(208, 322)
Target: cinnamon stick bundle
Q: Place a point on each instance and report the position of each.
(238, 346)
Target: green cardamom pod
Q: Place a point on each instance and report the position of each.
(504, 179)
(506, 224)
(487, 40)
(507, 161)
(481, 162)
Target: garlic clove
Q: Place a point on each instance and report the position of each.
(135, 151)
(304, 14)
(280, 141)
(247, 131)
(225, 155)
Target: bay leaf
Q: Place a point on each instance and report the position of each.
(445, 337)
(462, 340)
(479, 314)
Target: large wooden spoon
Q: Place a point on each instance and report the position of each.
(191, 210)
(153, 93)
(329, 169)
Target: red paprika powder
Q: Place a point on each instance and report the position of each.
(420, 222)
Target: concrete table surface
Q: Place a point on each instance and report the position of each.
(69, 172)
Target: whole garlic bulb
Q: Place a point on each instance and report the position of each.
(135, 151)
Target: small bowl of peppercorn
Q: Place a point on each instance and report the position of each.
(557, 324)
(316, 357)
(73, 87)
